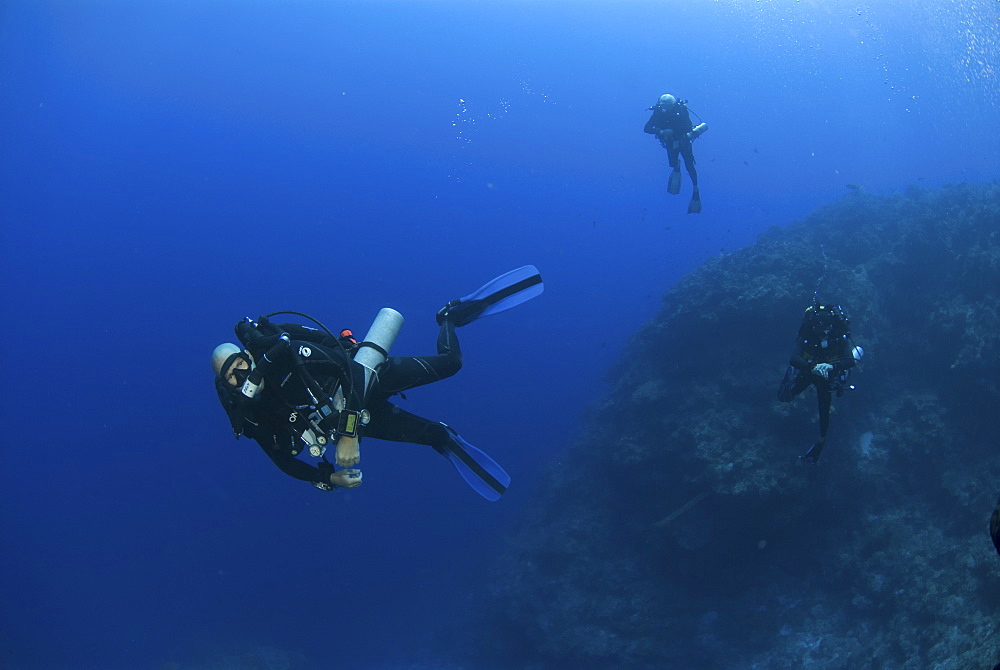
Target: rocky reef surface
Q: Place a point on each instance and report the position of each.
(681, 530)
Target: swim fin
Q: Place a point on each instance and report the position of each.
(694, 207)
(812, 456)
(477, 469)
(508, 290)
(674, 184)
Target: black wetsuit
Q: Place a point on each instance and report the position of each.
(677, 120)
(839, 353)
(271, 418)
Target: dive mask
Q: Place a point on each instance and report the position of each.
(237, 376)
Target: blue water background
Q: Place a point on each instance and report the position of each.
(167, 168)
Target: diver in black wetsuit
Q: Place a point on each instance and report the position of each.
(671, 123)
(823, 358)
(271, 418)
(294, 388)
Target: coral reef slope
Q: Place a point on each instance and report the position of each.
(682, 531)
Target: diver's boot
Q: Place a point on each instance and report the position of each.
(459, 313)
(497, 295)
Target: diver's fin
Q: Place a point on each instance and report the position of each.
(812, 456)
(674, 184)
(694, 207)
(508, 290)
(477, 469)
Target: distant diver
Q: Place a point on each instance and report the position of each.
(671, 123)
(823, 358)
(295, 388)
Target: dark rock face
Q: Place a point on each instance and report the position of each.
(681, 531)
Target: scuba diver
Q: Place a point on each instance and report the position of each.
(823, 358)
(295, 388)
(671, 123)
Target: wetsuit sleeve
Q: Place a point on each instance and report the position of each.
(799, 363)
(293, 467)
(846, 359)
(282, 458)
(840, 363)
(651, 126)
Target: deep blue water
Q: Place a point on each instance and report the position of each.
(167, 168)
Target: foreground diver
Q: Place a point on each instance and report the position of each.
(671, 123)
(823, 358)
(294, 388)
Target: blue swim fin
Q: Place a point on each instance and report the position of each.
(477, 469)
(500, 294)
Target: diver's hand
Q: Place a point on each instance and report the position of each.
(348, 451)
(346, 479)
(822, 370)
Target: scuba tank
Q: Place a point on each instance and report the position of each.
(697, 131)
(374, 349)
(371, 353)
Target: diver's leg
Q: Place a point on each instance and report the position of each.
(397, 425)
(694, 207)
(793, 383)
(478, 470)
(688, 154)
(823, 398)
(674, 181)
(401, 373)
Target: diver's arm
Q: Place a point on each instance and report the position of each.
(800, 363)
(844, 363)
(348, 451)
(293, 467)
(349, 447)
(845, 360)
(651, 126)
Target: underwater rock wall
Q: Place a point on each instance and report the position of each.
(681, 530)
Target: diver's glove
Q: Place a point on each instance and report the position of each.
(823, 370)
